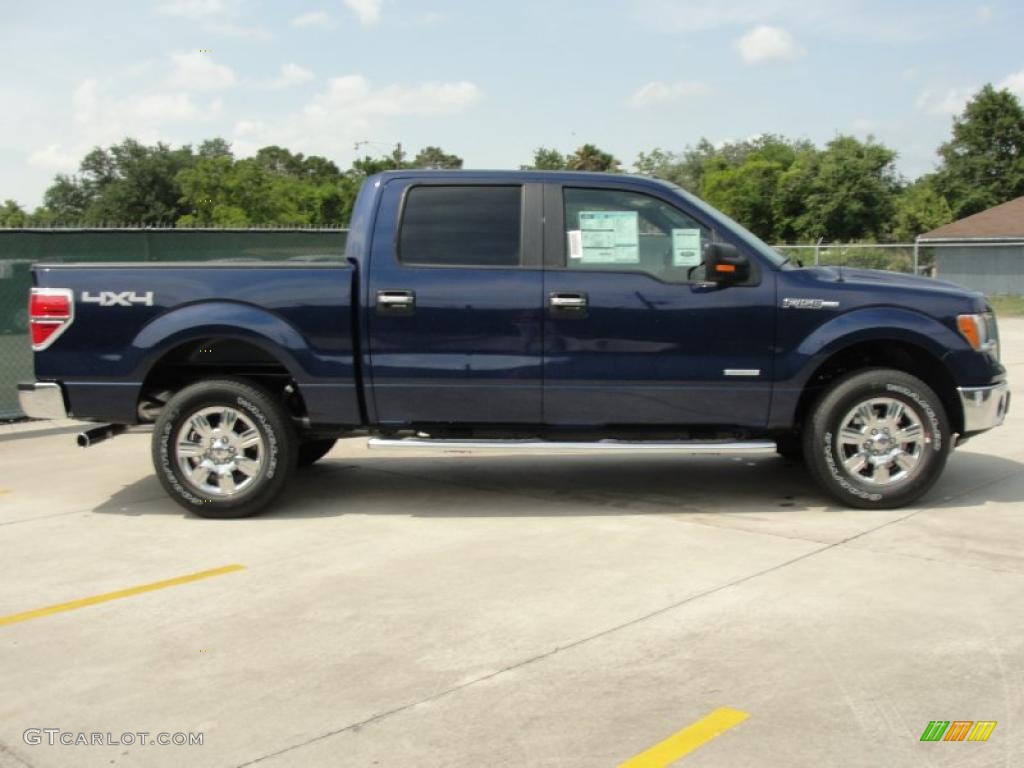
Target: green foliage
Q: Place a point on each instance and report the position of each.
(918, 209)
(545, 159)
(842, 193)
(782, 189)
(435, 157)
(587, 157)
(983, 163)
(12, 215)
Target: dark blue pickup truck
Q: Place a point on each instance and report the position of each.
(525, 310)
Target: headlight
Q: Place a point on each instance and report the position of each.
(980, 331)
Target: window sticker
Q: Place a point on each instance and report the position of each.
(609, 237)
(686, 248)
(575, 244)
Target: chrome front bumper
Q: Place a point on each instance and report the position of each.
(42, 400)
(984, 407)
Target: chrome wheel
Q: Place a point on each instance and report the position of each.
(219, 451)
(881, 441)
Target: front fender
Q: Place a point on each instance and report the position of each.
(795, 367)
(879, 324)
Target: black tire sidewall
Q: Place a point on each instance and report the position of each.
(268, 417)
(819, 438)
(311, 451)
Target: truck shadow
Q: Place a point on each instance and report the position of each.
(532, 486)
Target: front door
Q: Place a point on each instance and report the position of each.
(455, 304)
(633, 335)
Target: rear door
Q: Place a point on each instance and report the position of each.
(634, 336)
(455, 304)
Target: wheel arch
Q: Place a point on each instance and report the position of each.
(897, 352)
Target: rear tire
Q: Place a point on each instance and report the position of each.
(311, 451)
(877, 439)
(224, 448)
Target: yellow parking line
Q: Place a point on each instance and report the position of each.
(685, 741)
(14, 618)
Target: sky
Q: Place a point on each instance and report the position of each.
(489, 81)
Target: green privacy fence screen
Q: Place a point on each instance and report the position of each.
(20, 248)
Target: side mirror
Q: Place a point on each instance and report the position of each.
(725, 264)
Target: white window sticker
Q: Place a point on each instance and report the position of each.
(686, 248)
(609, 237)
(575, 244)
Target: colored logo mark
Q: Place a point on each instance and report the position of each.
(958, 730)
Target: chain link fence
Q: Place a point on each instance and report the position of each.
(20, 248)
(896, 257)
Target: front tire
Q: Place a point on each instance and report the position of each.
(311, 451)
(877, 439)
(224, 448)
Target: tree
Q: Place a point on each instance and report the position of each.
(545, 159)
(126, 183)
(844, 192)
(918, 209)
(435, 157)
(589, 158)
(67, 200)
(12, 215)
(983, 163)
(216, 147)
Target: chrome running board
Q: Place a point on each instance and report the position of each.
(712, 447)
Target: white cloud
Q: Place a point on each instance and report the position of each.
(237, 31)
(865, 126)
(1013, 83)
(766, 43)
(55, 159)
(658, 92)
(352, 95)
(944, 103)
(984, 14)
(199, 72)
(350, 108)
(311, 19)
(291, 74)
(192, 9)
(100, 119)
(368, 11)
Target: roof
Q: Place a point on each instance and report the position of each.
(1003, 222)
(522, 176)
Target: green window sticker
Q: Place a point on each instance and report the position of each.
(686, 248)
(609, 237)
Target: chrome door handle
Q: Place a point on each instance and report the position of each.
(396, 302)
(568, 304)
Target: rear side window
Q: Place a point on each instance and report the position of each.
(461, 226)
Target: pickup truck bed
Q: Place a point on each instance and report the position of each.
(268, 321)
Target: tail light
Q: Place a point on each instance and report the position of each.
(50, 312)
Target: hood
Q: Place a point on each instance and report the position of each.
(869, 277)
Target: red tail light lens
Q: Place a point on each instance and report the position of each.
(50, 311)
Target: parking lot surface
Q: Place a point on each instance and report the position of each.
(488, 610)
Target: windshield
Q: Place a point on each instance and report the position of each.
(749, 238)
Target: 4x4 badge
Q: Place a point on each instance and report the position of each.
(118, 298)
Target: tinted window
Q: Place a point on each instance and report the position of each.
(461, 226)
(614, 230)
